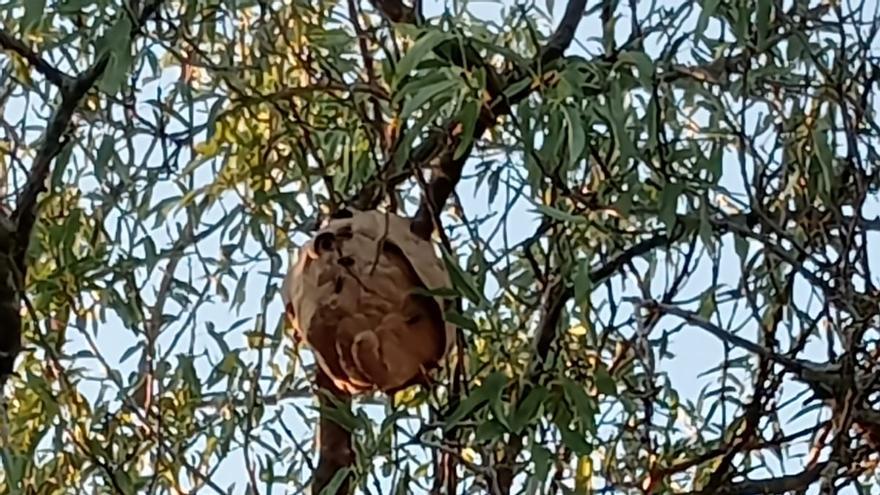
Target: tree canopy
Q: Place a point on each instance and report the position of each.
(660, 221)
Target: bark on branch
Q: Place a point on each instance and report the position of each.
(781, 484)
(447, 172)
(53, 75)
(395, 11)
(53, 141)
(18, 228)
(334, 441)
(15, 230)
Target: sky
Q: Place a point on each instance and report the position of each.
(695, 351)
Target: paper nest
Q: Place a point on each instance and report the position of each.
(350, 298)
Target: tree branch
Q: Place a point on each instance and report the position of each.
(395, 11)
(335, 452)
(598, 274)
(823, 380)
(53, 141)
(716, 331)
(564, 34)
(13, 268)
(558, 296)
(718, 71)
(781, 484)
(447, 172)
(48, 71)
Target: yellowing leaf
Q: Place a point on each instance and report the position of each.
(583, 476)
(578, 330)
(207, 148)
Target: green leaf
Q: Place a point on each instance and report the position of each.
(604, 382)
(70, 7)
(336, 482)
(462, 281)
(423, 95)
(668, 203)
(642, 62)
(116, 73)
(489, 430)
(714, 164)
(488, 392)
(60, 166)
(163, 208)
(577, 138)
(494, 385)
(33, 14)
(240, 291)
(543, 459)
(741, 246)
(706, 227)
(794, 48)
(401, 155)
(130, 352)
(762, 21)
(441, 292)
(117, 38)
(560, 215)
(707, 304)
(583, 286)
(403, 484)
(528, 409)
(418, 52)
(459, 320)
(743, 22)
(116, 43)
(708, 10)
(517, 87)
(494, 180)
(584, 409)
(102, 158)
(574, 440)
(469, 115)
(465, 407)
(14, 467)
(340, 415)
(616, 114)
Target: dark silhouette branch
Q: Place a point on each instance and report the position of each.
(795, 365)
(447, 171)
(395, 11)
(564, 34)
(781, 484)
(16, 229)
(334, 440)
(53, 142)
(52, 74)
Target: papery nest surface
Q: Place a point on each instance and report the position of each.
(353, 297)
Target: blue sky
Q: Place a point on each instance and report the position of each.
(695, 351)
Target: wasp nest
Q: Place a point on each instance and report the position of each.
(352, 297)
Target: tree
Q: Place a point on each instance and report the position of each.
(660, 221)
